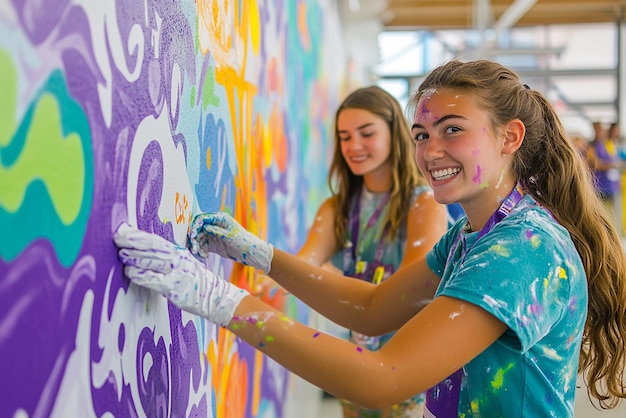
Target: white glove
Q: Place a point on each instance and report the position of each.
(219, 233)
(153, 262)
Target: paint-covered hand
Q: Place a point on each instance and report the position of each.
(218, 232)
(153, 262)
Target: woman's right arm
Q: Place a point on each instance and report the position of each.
(357, 304)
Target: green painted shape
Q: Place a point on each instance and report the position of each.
(208, 89)
(8, 87)
(49, 173)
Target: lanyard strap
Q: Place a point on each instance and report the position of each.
(505, 208)
(503, 211)
(350, 248)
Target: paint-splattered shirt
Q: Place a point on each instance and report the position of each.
(370, 238)
(527, 273)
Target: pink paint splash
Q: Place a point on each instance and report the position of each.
(477, 176)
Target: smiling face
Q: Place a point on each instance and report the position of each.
(365, 141)
(460, 155)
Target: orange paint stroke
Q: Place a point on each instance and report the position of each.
(181, 206)
(229, 376)
(280, 145)
(227, 33)
(303, 27)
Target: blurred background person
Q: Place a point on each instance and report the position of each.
(606, 164)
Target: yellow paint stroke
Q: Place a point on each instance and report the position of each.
(535, 241)
(254, 24)
(501, 250)
(258, 373)
(228, 34)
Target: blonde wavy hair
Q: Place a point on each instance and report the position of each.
(344, 184)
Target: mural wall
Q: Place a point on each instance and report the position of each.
(150, 111)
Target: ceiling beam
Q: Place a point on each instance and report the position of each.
(459, 14)
(527, 73)
(512, 15)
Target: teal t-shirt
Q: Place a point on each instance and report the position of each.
(527, 273)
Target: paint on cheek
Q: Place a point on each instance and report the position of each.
(477, 176)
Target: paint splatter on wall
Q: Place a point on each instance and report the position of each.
(149, 112)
